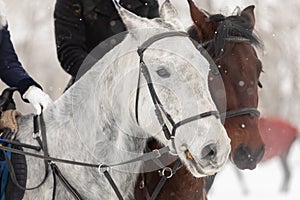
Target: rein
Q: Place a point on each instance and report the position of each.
(102, 168)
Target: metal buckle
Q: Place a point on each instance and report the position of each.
(142, 184)
(157, 153)
(168, 169)
(102, 168)
(36, 135)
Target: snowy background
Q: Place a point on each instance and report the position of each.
(277, 23)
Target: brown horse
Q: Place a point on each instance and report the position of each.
(229, 42)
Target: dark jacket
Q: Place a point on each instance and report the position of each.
(11, 71)
(80, 25)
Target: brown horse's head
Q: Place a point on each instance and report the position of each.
(229, 41)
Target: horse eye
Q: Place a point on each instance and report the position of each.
(162, 72)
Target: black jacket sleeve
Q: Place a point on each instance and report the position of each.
(70, 35)
(11, 71)
(77, 32)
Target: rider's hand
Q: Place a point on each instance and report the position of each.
(37, 98)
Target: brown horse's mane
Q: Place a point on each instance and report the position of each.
(228, 27)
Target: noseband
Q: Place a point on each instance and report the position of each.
(159, 108)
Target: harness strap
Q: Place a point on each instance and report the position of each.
(160, 36)
(54, 183)
(64, 181)
(164, 179)
(243, 111)
(145, 157)
(193, 118)
(113, 184)
(144, 70)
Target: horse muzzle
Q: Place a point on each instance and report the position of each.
(244, 158)
(208, 164)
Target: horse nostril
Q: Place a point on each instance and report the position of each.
(208, 152)
(242, 152)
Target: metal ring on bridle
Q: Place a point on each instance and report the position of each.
(102, 168)
(168, 169)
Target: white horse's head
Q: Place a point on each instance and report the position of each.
(179, 74)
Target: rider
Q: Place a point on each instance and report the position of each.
(80, 25)
(14, 75)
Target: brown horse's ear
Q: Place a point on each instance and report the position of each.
(201, 21)
(248, 15)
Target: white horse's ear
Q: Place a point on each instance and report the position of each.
(169, 13)
(131, 20)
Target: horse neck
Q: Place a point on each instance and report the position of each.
(100, 106)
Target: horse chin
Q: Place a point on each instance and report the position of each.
(242, 166)
(196, 168)
(198, 171)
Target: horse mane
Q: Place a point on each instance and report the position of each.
(232, 26)
(228, 27)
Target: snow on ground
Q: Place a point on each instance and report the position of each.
(263, 183)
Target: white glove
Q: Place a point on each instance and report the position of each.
(37, 98)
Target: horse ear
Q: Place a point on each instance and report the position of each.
(248, 15)
(131, 20)
(167, 10)
(201, 21)
(169, 13)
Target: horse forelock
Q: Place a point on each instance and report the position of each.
(232, 26)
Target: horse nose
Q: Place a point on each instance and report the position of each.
(209, 152)
(261, 153)
(244, 158)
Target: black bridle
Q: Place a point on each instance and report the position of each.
(237, 112)
(159, 108)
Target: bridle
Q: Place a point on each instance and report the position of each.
(237, 112)
(159, 108)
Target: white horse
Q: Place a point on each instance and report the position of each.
(95, 120)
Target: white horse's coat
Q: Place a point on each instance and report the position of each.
(94, 121)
